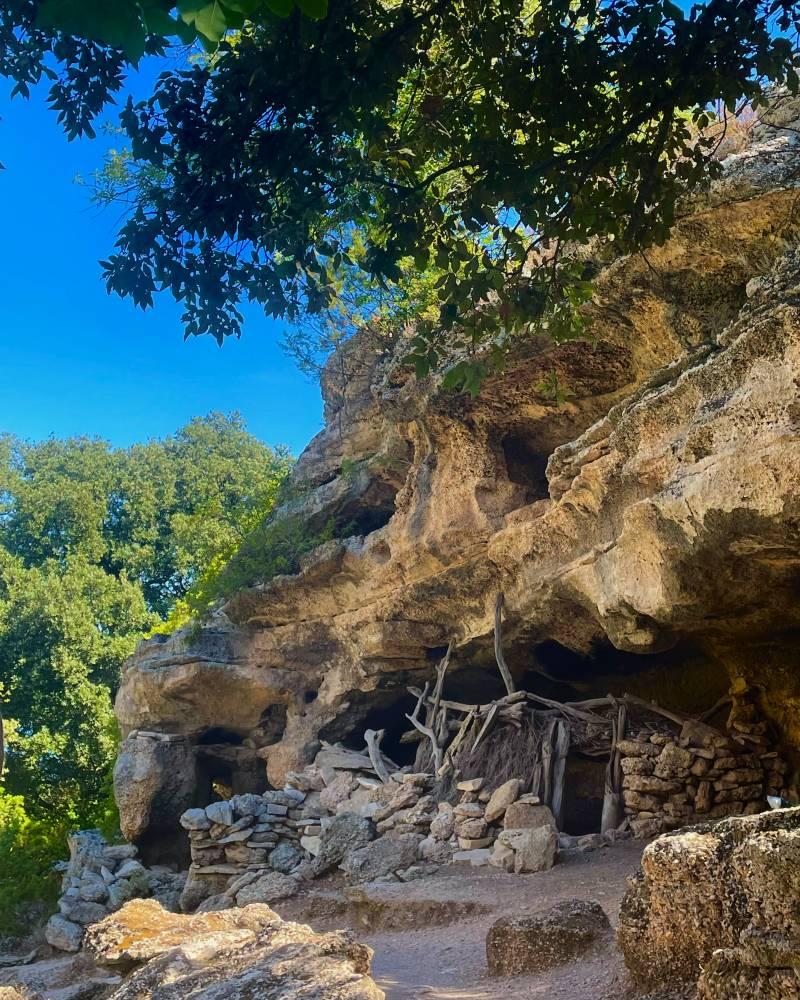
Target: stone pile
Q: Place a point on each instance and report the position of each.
(671, 780)
(247, 830)
(258, 848)
(97, 880)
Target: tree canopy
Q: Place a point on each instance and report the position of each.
(96, 547)
(473, 141)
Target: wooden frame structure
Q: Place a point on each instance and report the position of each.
(452, 733)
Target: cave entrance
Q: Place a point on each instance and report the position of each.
(226, 767)
(584, 791)
(392, 719)
(526, 464)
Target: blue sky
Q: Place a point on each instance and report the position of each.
(74, 360)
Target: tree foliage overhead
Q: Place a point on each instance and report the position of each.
(96, 547)
(475, 140)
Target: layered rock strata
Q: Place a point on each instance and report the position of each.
(653, 519)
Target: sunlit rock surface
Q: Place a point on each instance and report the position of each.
(645, 533)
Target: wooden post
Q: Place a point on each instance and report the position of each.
(498, 645)
(562, 740)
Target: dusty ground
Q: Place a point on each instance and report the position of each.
(447, 961)
(429, 935)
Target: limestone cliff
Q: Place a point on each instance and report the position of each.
(646, 533)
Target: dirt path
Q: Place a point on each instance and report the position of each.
(429, 935)
(448, 962)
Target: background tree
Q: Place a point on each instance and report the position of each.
(477, 140)
(96, 547)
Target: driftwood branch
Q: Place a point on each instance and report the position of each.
(631, 699)
(458, 739)
(568, 709)
(441, 670)
(560, 753)
(612, 799)
(373, 740)
(721, 703)
(498, 645)
(426, 730)
(490, 719)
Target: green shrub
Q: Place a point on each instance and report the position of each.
(28, 850)
(274, 548)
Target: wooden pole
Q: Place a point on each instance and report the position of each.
(498, 645)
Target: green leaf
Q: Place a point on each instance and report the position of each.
(283, 8)
(119, 25)
(313, 8)
(208, 18)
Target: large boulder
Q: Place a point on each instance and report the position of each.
(518, 946)
(63, 934)
(268, 888)
(501, 799)
(346, 833)
(199, 886)
(238, 954)
(382, 857)
(535, 850)
(528, 816)
(718, 904)
(155, 782)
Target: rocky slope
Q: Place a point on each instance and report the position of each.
(646, 533)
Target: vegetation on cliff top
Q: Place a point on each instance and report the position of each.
(470, 140)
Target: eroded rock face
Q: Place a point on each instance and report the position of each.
(657, 510)
(236, 955)
(718, 903)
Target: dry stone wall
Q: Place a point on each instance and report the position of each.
(672, 780)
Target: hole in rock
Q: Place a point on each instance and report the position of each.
(217, 735)
(376, 710)
(435, 653)
(526, 464)
(310, 696)
(213, 776)
(392, 719)
(369, 512)
(584, 789)
(225, 769)
(271, 726)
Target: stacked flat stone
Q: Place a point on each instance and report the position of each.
(97, 880)
(241, 833)
(672, 780)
